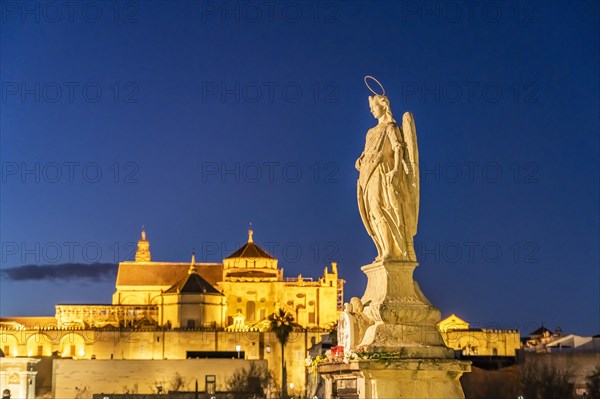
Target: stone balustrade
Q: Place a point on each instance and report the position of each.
(98, 316)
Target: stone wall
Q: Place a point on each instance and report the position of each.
(483, 342)
(168, 344)
(83, 378)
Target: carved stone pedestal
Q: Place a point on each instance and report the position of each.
(395, 379)
(394, 326)
(403, 319)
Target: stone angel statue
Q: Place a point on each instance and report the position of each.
(388, 182)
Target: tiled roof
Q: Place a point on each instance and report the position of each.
(164, 274)
(193, 284)
(31, 321)
(250, 250)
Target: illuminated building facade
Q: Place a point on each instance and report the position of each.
(166, 310)
(240, 293)
(458, 335)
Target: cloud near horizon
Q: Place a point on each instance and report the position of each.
(62, 271)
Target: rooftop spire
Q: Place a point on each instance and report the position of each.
(143, 248)
(193, 264)
(250, 233)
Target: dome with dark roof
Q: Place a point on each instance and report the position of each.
(251, 263)
(540, 331)
(250, 250)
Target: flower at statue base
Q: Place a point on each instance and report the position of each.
(348, 356)
(337, 350)
(313, 363)
(308, 361)
(337, 353)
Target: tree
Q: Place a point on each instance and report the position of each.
(540, 380)
(593, 383)
(177, 382)
(282, 324)
(252, 382)
(157, 386)
(126, 390)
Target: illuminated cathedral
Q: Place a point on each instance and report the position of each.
(238, 294)
(171, 312)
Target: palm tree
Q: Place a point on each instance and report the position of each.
(282, 324)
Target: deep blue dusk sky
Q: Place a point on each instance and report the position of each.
(163, 98)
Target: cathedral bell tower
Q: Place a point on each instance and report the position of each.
(143, 249)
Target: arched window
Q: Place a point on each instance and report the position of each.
(39, 345)
(9, 345)
(72, 345)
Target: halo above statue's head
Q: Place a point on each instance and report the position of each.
(380, 99)
(367, 78)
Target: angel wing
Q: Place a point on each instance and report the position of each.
(409, 132)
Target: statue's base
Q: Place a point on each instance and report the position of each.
(394, 324)
(395, 379)
(402, 318)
